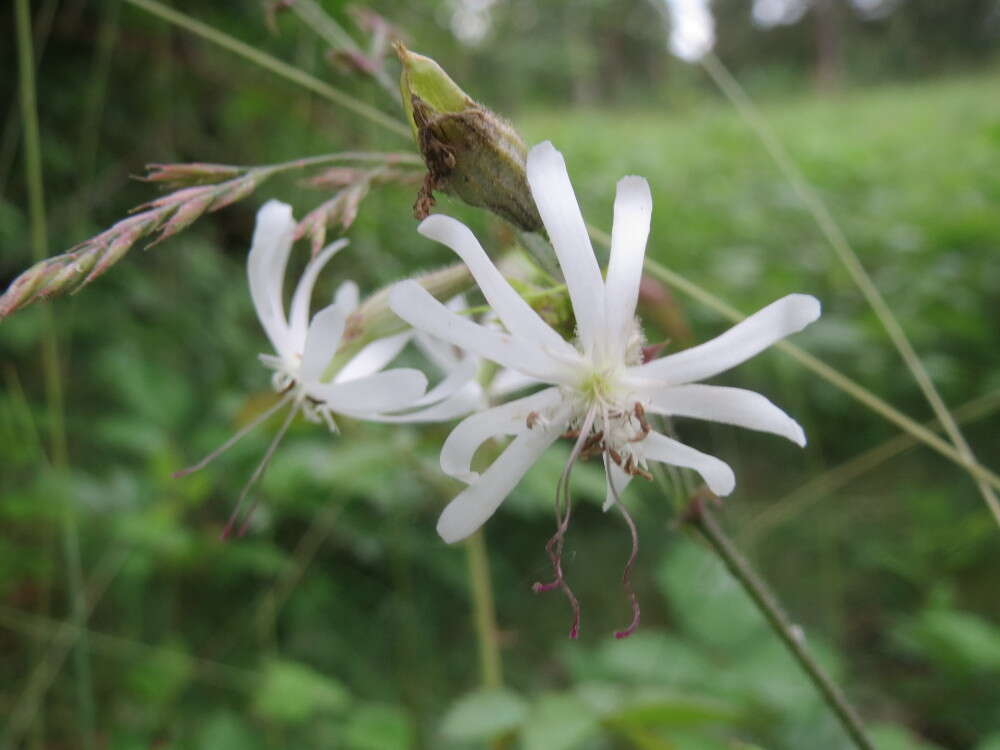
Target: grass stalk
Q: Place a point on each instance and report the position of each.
(837, 240)
(699, 516)
(823, 370)
(273, 64)
(821, 486)
(50, 364)
(484, 611)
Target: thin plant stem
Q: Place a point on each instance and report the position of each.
(821, 486)
(484, 611)
(324, 24)
(276, 66)
(823, 370)
(699, 516)
(50, 364)
(835, 236)
(43, 675)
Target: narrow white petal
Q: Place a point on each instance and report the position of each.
(479, 501)
(382, 391)
(467, 399)
(373, 357)
(512, 310)
(560, 212)
(507, 381)
(416, 306)
(717, 403)
(629, 233)
(443, 354)
(744, 340)
(462, 373)
(507, 419)
(322, 340)
(269, 249)
(298, 314)
(348, 295)
(717, 474)
(620, 480)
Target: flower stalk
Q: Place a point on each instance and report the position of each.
(700, 517)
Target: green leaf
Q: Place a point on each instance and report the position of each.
(661, 708)
(558, 722)
(225, 731)
(291, 693)
(890, 737)
(378, 727)
(484, 714)
(958, 640)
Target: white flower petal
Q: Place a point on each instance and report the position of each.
(474, 505)
(508, 381)
(347, 295)
(379, 392)
(416, 306)
(629, 233)
(511, 308)
(560, 212)
(507, 419)
(467, 399)
(717, 403)
(717, 474)
(298, 315)
(321, 341)
(373, 357)
(620, 479)
(269, 249)
(747, 338)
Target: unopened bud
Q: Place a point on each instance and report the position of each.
(470, 151)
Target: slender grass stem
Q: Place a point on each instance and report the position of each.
(273, 64)
(821, 486)
(324, 24)
(823, 370)
(835, 236)
(484, 611)
(699, 516)
(50, 365)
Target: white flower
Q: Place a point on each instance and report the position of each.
(599, 387)
(304, 348)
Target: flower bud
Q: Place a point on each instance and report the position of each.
(470, 152)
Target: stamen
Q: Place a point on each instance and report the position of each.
(233, 440)
(627, 574)
(254, 478)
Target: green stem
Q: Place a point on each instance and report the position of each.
(276, 66)
(50, 364)
(850, 387)
(484, 611)
(702, 519)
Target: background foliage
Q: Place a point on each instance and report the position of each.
(342, 620)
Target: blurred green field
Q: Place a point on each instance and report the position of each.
(343, 621)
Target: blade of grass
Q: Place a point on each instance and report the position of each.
(837, 240)
(273, 64)
(42, 676)
(821, 486)
(324, 24)
(60, 632)
(50, 363)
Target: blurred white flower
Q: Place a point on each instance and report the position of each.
(304, 349)
(600, 390)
